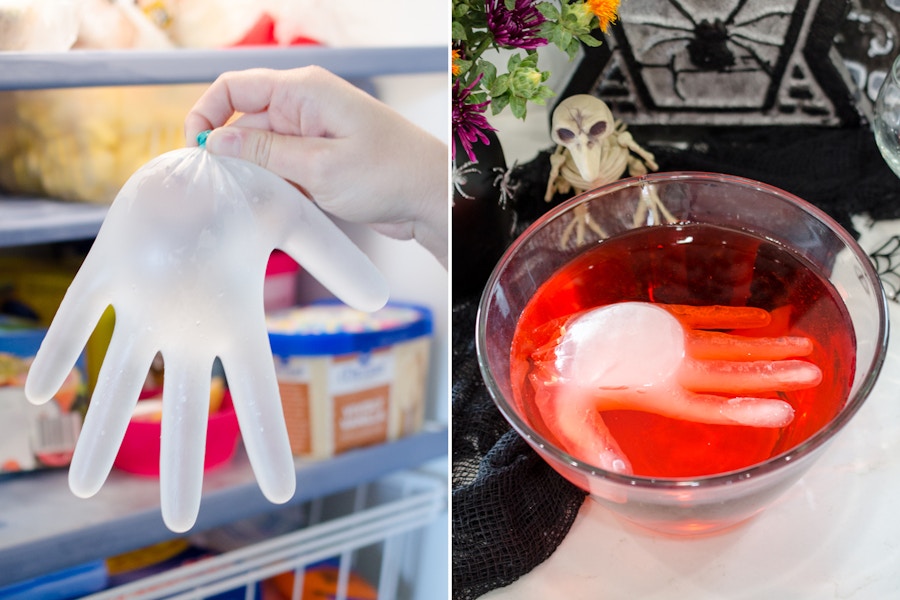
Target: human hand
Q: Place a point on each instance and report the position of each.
(353, 155)
(599, 360)
(181, 257)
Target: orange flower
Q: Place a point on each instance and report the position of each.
(454, 56)
(606, 10)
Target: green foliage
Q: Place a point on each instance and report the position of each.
(567, 26)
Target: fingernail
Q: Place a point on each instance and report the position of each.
(611, 460)
(758, 412)
(224, 142)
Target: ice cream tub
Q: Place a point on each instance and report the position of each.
(347, 378)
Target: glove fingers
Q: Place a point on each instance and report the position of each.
(326, 252)
(112, 404)
(67, 336)
(574, 420)
(254, 391)
(723, 346)
(748, 377)
(183, 445)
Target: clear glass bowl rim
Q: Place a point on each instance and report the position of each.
(768, 466)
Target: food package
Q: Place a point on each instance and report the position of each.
(320, 582)
(350, 379)
(38, 25)
(82, 144)
(35, 437)
(35, 286)
(203, 23)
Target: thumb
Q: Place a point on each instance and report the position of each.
(265, 148)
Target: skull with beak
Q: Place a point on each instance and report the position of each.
(593, 149)
(581, 124)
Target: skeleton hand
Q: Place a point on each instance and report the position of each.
(181, 258)
(599, 361)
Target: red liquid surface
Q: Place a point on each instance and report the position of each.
(698, 265)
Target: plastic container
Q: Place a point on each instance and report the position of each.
(348, 378)
(139, 452)
(73, 582)
(280, 286)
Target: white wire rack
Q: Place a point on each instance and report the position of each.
(374, 529)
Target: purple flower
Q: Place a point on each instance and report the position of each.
(516, 28)
(469, 122)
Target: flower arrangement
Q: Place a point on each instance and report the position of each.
(523, 26)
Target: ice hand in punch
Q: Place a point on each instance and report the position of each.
(667, 360)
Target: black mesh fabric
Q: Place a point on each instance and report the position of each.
(510, 510)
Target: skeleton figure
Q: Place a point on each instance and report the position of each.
(595, 149)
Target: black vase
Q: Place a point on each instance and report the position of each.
(483, 216)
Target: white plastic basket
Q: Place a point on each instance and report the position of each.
(374, 529)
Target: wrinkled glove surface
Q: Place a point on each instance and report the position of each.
(181, 258)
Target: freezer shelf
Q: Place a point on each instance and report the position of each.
(85, 68)
(39, 221)
(44, 528)
(27, 221)
(367, 529)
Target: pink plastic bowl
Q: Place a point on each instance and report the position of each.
(139, 453)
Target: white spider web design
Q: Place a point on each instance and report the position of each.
(886, 259)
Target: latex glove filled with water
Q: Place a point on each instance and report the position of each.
(181, 258)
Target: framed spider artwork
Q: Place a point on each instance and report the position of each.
(734, 62)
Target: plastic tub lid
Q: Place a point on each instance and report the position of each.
(332, 328)
(19, 336)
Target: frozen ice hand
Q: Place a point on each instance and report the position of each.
(181, 258)
(664, 360)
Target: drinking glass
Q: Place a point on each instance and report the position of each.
(887, 117)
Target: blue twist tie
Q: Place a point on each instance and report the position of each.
(201, 138)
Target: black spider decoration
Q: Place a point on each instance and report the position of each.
(709, 49)
(682, 46)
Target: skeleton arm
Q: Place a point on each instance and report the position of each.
(627, 141)
(555, 183)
